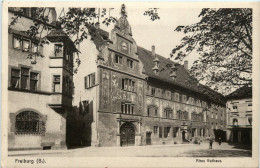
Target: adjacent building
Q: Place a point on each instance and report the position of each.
(239, 115)
(127, 95)
(39, 91)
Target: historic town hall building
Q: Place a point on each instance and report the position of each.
(127, 95)
(39, 94)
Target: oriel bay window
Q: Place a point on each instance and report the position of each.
(56, 83)
(127, 108)
(128, 84)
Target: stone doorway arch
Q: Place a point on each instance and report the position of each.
(127, 134)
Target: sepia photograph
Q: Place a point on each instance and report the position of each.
(130, 81)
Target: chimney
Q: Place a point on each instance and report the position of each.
(153, 51)
(186, 65)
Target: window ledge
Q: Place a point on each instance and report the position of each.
(55, 57)
(129, 91)
(92, 86)
(29, 91)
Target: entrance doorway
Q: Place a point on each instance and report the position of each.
(183, 136)
(148, 138)
(127, 132)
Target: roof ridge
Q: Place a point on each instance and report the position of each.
(157, 55)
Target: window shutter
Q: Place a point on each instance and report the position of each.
(85, 81)
(93, 79)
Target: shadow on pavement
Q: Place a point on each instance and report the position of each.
(241, 146)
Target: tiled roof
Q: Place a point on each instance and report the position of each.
(183, 79)
(243, 92)
(58, 35)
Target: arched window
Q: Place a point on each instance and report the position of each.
(235, 121)
(29, 122)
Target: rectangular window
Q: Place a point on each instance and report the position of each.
(160, 132)
(234, 107)
(249, 107)
(155, 112)
(127, 108)
(34, 48)
(16, 42)
(184, 99)
(56, 83)
(58, 50)
(177, 98)
(153, 91)
(175, 132)
(33, 81)
(167, 131)
(26, 45)
(168, 113)
(130, 63)
(15, 78)
(128, 84)
(118, 59)
(90, 80)
(24, 78)
(155, 129)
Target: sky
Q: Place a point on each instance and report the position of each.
(159, 33)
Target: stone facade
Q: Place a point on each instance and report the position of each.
(239, 116)
(139, 97)
(39, 95)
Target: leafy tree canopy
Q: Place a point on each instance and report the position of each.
(223, 40)
(78, 23)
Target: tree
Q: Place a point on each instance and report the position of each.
(223, 39)
(77, 23)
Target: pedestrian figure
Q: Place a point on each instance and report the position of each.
(210, 143)
(219, 141)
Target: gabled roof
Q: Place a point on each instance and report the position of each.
(183, 79)
(243, 92)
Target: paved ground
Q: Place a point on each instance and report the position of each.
(178, 150)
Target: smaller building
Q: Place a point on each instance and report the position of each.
(239, 115)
